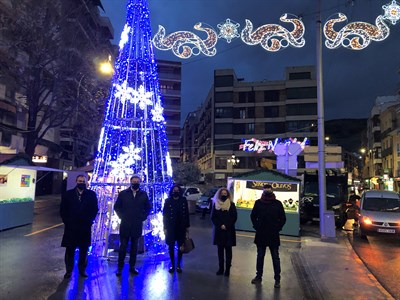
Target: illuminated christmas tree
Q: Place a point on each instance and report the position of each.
(133, 138)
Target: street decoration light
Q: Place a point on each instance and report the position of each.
(274, 37)
(233, 160)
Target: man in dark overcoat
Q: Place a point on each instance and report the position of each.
(132, 207)
(78, 210)
(268, 218)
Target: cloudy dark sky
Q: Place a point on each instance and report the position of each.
(352, 79)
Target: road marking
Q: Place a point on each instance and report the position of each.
(282, 240)
(45, 229)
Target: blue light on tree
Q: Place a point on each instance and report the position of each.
(133, 138)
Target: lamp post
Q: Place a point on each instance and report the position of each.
(234, 161)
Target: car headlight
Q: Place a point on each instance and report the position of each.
(366, 221)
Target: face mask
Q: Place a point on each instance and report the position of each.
(266, 193)
(135, 186)
(175, 194)
(81, 186)
(223, 198)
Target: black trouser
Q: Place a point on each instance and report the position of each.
(276, 262)
(124, 240)
(70, 256)
(172, 255)
(228, 258)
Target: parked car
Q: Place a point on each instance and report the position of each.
(191, 193)
(205, 200)
(379, 213)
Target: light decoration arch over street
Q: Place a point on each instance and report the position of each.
(273, 37)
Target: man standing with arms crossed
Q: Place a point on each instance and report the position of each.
(268, 218)
(132, 207)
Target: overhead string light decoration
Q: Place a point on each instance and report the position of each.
(228, 30)
(355, 35)
(392, 12)
(358, 35)
(184, 44)
(133, 137)
(273, 37)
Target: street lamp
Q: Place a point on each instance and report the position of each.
(234, 161)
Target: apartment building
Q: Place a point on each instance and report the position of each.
(169, 75)
(382, 155)
(235, 110)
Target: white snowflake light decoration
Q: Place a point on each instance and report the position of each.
(124, 92)
(122, 167)
(157, 112)
(392, 12)
(124, 36)
(228, 30)
(142, 97)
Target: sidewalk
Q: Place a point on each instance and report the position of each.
(32, 267)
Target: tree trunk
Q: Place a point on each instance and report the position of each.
(31, 137)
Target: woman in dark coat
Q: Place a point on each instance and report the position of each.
(176, 223)
(224, 216)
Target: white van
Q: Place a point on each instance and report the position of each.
(379, 213)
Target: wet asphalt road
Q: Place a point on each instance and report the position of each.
(381, 255)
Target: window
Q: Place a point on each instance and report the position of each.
(271, 111)
(247, 97)
(301, 109)
(299, 75)
(271, 96)
(242, 113)
(250, 112)
(223, 97)
(220, 163)
(224, 128)
(274, 127)
(299, 126)
(239, 128)
(223, 112)
(302, 93)
(221, 81)
(250, 128)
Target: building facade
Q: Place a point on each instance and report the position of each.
(382, 155)
(235, 110)
(169, 75)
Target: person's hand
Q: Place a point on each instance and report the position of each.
(223, 227)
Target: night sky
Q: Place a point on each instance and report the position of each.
(352, 79)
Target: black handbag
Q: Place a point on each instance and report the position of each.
(187, 246)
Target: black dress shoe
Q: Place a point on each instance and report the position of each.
(227, 273)
(220, 272)
(179, 270)
(119, 273)
(133, 271)
(83, 274)
(171, 270)
(67, 275)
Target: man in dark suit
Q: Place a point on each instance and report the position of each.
(132, 207)
(78, 210)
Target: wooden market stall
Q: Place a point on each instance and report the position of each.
(247, 188)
